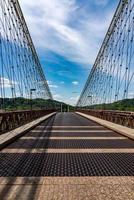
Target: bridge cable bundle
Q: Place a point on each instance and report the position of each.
(20, 68)
(112, 76)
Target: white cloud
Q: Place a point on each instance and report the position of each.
(69, 100)
(51, 28)
(51, 85)
(131, 95)
(73, 100)
(49, 82)
(75, 82)
(62, 82)
(7, 82)
(57, 97)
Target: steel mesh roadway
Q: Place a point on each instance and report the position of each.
(67, 164)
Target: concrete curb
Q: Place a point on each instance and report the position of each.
(128, 132)
(11, 136)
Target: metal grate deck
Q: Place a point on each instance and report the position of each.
(71, 144)
(68, 164)
(51, 164)
(72, 134)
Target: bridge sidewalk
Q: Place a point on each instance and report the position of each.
(10, 136)
(128, 132)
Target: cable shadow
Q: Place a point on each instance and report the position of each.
(27, 187)
(24, 189)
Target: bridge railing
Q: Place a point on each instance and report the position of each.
(123, 118)
(12, 120)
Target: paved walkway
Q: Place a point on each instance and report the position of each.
(68, 157)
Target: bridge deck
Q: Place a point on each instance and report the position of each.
(68, 157)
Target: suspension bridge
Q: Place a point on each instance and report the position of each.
(87, 153)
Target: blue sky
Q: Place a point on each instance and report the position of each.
(67, 35)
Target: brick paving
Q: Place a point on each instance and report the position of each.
(67, 188)
(68, 157)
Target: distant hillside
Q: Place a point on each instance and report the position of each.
(124, 105)
(25, 104)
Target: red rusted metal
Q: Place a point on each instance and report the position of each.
(123, 118)
(12, 120)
